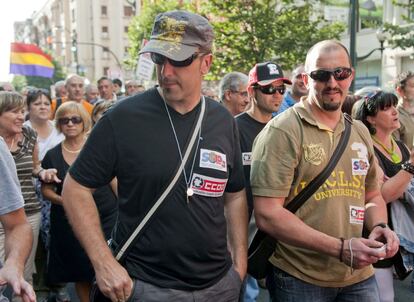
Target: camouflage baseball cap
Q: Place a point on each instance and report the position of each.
(179, 34)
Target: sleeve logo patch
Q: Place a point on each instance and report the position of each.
(213, 160)
(247, 158)
(360, 166)
(356, 215)
(208, 186)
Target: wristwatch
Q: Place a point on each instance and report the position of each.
(381, 224)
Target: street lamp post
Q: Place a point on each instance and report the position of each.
(381, 36)
(353, 28)
(75, 51)
(75, 43)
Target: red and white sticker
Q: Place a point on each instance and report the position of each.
(213, 160)
(208, 186)
(356, 215)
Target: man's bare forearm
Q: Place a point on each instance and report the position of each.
(376, 210)
(19, 238)
(84, 218)
(237, 220)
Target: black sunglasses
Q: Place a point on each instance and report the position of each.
(38, 91)
(160, 60)
(269, 89)
(324, 75)
(74, 119)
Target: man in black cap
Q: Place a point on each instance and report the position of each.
(183, 253)
(266, 86)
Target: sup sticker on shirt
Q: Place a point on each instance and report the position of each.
(356, 215)
(360, 166)
(213, 160)
(208, 186)
(247, 158)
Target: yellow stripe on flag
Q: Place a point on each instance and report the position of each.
(29, 59)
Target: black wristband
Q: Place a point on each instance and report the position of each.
(408, 167)
(341, 253)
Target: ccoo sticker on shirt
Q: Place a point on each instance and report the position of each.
(356, 215)
(360, 166)
(208, 186)
(247, 158)
(213, 160)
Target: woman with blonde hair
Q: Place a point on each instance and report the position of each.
(67, 261)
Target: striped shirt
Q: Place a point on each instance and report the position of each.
(23, 157)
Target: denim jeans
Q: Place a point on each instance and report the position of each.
(252, 289)
(286, 288)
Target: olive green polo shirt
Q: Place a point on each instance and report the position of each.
(291, 151)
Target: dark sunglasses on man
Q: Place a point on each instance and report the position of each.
(324, 75)
(74, 119)
(160, 60)
(269, 89)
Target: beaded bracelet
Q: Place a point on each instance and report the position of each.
(408, 167)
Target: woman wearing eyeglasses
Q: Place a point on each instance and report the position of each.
(380, 115)
(21, 141)
(67, 260)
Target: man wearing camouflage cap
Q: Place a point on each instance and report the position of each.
(183, 253)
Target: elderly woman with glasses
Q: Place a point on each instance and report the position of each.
(379, 113)
(22, 143)
(67, 260)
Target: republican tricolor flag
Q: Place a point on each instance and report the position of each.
(30, 60)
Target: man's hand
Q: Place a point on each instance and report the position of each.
(364, 252)
(9, 274)
(389, 237)
(113, 281)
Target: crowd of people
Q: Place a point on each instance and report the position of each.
(178, 179)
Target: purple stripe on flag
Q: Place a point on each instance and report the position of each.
(32, 70)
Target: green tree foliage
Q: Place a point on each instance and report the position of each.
(141, 26)
(402, 35)
(250, 31)
(20, 82)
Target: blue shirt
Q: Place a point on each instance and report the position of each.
(288, 101)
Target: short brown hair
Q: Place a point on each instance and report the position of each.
(73, 107)
(10, 100)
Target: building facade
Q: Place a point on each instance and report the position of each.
(84, 36)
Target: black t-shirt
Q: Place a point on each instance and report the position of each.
(185, 245)
(249, 128)
(390, 169)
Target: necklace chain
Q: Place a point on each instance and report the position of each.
(71, 151)
(394, 155)
(189, 191)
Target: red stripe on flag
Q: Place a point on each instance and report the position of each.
(29, 48)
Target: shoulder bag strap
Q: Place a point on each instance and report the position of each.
(121, 252)
(306, 193)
